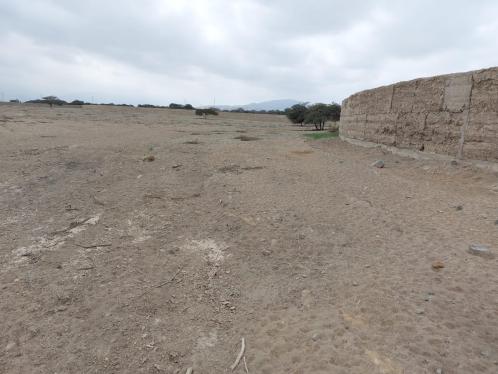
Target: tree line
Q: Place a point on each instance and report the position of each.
(316, 114)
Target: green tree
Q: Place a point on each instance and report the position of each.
(334, 112)
(297, 113)
(317, 115)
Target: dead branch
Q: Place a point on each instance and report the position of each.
(241, 353)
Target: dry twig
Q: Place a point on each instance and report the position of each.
(245, 364)
(241, 353)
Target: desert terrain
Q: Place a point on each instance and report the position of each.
(153, 241)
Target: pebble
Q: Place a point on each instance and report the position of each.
(480, 250)
(496, 222)
(436, 265)
(419, 311)
(355, 284)
(10, 346)
(439, 371)
(378, 164)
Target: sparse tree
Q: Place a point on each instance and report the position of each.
(296, 113)
(53, 100)
(317, 114)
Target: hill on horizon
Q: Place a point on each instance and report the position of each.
(263, 105)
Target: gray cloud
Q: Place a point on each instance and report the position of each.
(237, 51)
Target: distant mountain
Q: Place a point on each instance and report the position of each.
(264, 105)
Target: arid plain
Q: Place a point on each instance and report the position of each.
(151, 241)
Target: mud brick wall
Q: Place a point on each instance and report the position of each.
(454, 114)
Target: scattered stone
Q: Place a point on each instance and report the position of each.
(355, 284)
(10, 346)
(266, 252)
(459, 207)
(378, 164)
(436, 265)
(480, 250)
(419, 311)
(315, 337)
(496, 222)
(484, 354)
(454, 162)
(149, 158)
(176, 166)
(439, 371)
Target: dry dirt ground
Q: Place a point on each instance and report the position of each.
(323, 263)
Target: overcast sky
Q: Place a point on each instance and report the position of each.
(162, 51)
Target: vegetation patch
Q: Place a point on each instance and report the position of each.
(322, 135)
(245, 138)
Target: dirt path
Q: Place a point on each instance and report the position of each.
(323, 263)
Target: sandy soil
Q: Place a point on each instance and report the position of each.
(323, 263)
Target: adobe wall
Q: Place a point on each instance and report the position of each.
(455, 114)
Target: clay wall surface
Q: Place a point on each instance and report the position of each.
(455, 114)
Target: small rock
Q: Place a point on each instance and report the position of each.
(484, 353)
(378, 164)
(176, 166)
(149, 158)
(315, 337)
(439, 371)
(266, 252)
(10, 346)
(459, 207)
(496, 222)
(419, 311)
(480, 250)
(355, 284)
(454, 162)
(436, 265)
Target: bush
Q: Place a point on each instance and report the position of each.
(208, 111)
